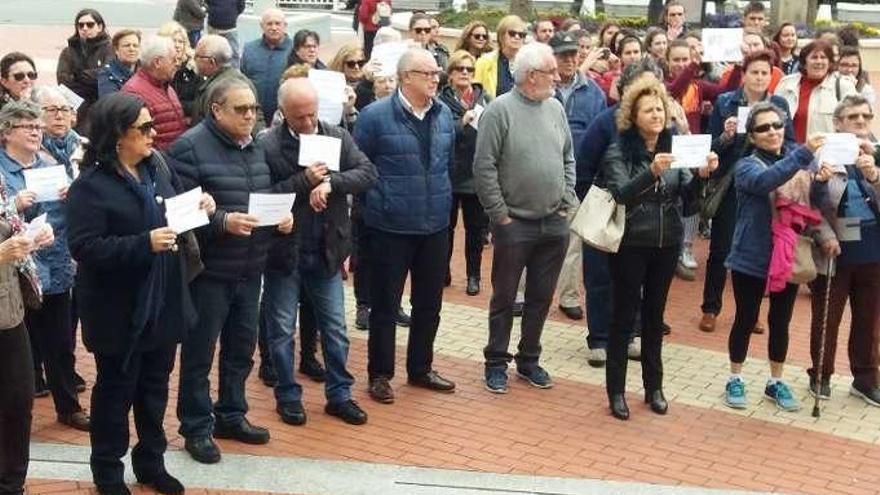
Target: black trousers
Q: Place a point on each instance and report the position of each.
(723, 224)
(49, 327)
(361, 257)
(142, 386)
(16, 404)
(748, 292)
(635, 269)
(423, 257)
(475, 223)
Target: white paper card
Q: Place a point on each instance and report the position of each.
(691, 151)
(742, 116)
(317, 148)
(46, 182)
(722, 45)
(35, 227)
(183, 213)
(330, 86)
(388, 54)
(74, 99)
(478, 112)
(850, 229)
(270, 209)
(839, 149)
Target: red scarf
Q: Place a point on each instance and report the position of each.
(802, 114)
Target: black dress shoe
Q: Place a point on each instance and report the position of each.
(574, 313)
(619, 409)
(40, 388)
(657, 401)
(202, 449)
(432, 381)
(244, 432)
(362, 317)
(292, 413)
(113, 489)
(403, 319)
(473, 286)
(162, 482)
(268, 375)
(348, 411)
(312, 369)
(381, 391)
(77, 420)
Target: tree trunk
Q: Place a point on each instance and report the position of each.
(655, 11)
(812, 11)
(522, 8)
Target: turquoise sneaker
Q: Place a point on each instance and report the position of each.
(781, 393)
(735, 394)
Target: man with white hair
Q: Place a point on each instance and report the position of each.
(213, 59)
(409, 137)
(308, 266)
(525, 177)
(264, 60)
(152, 84)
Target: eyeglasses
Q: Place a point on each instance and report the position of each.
(463, 68)
(351, 64)
(146, 128)
(516, 34)
(29, 127)
(243, 110)
(430, 74)
(57, 110)
(855, 116)
(548, 72)
(426, 30)
(760, 129)
(86, 24)
(19, 76)
(479, 37)
(205, 57)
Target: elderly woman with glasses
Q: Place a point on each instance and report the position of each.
(127, 45)
(773, 177)
(21, 129)
(475, 39)
(17, 76)
(493, 68)
(131, 289)
(86, 52)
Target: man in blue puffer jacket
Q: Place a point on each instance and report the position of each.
(410, 139)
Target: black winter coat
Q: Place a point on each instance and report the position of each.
(110, 240)
(462, 173)
(190, 14)
(223, 14)
(206, 156)
(78, 67)
(356, 175)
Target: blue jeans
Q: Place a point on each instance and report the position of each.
(324, 290)
(597, 281)
(228, 310)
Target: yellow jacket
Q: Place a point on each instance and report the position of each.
(486, 72)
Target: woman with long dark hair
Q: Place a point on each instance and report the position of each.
(785, 43)
(132, 290)
(475, 39)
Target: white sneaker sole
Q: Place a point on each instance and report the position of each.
(854, 392)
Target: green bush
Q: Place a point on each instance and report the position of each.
(451, 18)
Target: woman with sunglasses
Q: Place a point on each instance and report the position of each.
(350, 61)
(127, 45)
(87, 51)
(17, 76)
(475, 39)
(813, 93)
(49, 325)
(131, 289)
(772, 172)
(493, 69)
(465, 98)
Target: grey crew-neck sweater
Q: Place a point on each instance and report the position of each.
(524, 163)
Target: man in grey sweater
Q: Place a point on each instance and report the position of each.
(525, 175)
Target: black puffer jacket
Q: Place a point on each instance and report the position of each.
(206, 156)
(654, 206)
(223, 14)
(462, 173)
(78, 67)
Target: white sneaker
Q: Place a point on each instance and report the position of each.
(634, 349)
(687, 258)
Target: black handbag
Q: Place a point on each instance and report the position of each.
(713, 194)
(31, 293)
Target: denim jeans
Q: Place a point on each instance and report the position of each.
(597, 281)
(228, 310)
(278, 308)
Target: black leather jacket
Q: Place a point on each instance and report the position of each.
(654, 205)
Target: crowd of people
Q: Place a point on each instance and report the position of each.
(512, 130)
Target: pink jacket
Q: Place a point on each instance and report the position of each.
(793, 219)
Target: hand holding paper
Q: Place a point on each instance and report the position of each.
(691, 151)
(46, 182)
(314, 148)
(270, 209)
(184, 212)
(742, 116)
(839, 149)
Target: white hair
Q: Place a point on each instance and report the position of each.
(154, 47)
(217, 47)
(272, 11)
(530, 57)
(387, 34)
(41, 93)
(408, 59)
(295, 84)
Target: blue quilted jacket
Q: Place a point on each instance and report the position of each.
(410, 197)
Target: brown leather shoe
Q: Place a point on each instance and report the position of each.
(78, 420)
(432, 381)
(707, 324)
(758, 329)
(380, 390)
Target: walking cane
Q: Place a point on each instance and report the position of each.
(820, 368)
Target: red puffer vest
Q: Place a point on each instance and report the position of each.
(163, 104)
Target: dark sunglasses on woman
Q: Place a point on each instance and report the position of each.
(479, 37)
(351, 64)
(19, 76)
(766, 127)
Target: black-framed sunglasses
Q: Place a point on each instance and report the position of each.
(426, 30)
(243, 110)
(351, 64)
(463, 68)
(479, 36)
(517, 34)
(855, 116)
(146, 128)
(760, 129)
(19, 76)
(87, 24)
